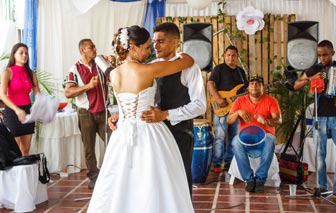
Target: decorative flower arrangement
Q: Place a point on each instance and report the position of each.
(250, 20)
(123, 38)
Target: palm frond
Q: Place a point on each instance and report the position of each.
(46, 82)
(4, 56)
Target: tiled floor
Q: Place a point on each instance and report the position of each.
(215, 196)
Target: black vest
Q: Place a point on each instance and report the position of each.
(172, 94)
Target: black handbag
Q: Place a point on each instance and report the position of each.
(9, 150)
(44, 175)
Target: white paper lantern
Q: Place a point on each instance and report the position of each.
(199, 4)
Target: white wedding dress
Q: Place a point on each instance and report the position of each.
(142, 170)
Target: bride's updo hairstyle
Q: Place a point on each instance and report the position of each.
(129, 35)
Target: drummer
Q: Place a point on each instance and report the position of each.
(255, 109)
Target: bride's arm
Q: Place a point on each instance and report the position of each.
(164, 68)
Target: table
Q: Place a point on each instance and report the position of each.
(20, 188)
(60, 141)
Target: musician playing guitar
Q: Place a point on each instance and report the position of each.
(227, 80)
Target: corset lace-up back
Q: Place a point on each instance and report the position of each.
(128, 106)
(131, 105)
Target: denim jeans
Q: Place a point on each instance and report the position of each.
(223, 135)
(244, 163)
(324, 123)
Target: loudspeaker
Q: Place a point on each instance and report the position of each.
(302, 44)
(197, 42)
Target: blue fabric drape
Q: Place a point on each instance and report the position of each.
(30, 30)
(155, 8)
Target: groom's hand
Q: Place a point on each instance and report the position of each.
(153, 115)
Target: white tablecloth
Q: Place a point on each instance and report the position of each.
(61, 142)
(20, 188)
(309, 155)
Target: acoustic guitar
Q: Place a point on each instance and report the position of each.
(229, 96)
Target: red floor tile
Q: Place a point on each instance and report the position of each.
(215, 194)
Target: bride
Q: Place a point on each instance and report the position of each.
(142, 169)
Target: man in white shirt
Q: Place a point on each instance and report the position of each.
(179, 97)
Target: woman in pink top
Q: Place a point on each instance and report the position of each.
(17, 81)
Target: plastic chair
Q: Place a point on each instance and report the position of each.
(273, 178)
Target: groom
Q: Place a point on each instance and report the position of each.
(179, 97)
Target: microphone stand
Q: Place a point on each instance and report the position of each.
(104, 67)
(317, 85)
(106, 104)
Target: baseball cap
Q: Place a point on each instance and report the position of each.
(256, 77)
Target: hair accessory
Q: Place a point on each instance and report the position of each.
(123, 38)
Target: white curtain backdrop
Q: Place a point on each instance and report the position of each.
(61, 26)
(176, 8)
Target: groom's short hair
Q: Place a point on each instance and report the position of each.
(169, 28)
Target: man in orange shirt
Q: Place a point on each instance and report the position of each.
(261, 110)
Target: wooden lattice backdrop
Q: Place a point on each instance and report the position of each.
(262, 53)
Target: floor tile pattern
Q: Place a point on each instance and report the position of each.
(216, 195)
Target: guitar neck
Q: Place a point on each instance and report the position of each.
(233, 98)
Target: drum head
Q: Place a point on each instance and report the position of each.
(252, 137)
(199, 122)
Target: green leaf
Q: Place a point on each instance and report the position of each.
(4, 56)
(278, 67)
(46, 82)
(264, 39)
(181, 19)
